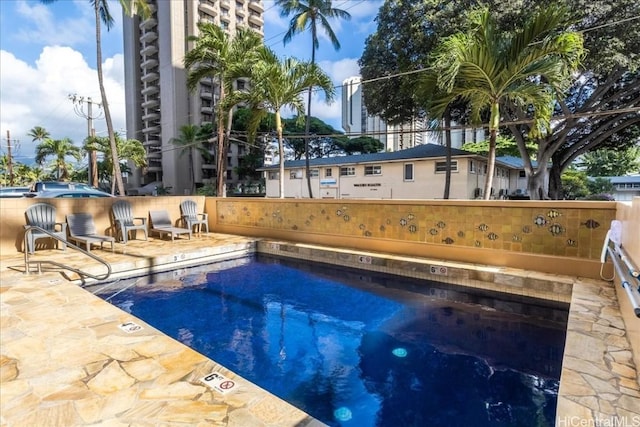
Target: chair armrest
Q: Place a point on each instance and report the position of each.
(142, 219)
(63, 226)
(204, 216)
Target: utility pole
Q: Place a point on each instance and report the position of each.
(9, 159)
(78, 106)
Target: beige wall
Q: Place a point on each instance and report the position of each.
(552, 236)
(629, 214)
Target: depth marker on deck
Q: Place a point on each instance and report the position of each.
(219, 383)
(130, 327)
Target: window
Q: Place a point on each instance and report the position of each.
(240, 84)
(473, 167)
(328, 173)
(314, 173)
(295, 174)
(274, 175)
(521, 174)
(408, 171)
(373, 170)
(441, 167)
(348, 171)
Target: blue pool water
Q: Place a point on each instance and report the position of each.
(354, 348)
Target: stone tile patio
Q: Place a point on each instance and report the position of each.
(66, 361)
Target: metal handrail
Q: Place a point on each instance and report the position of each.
(619, 257)
(27, 263)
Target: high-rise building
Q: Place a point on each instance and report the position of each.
(158, 102)
(356, 121)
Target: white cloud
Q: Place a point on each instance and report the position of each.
(340, 69)
(40, 24)
(39, 95)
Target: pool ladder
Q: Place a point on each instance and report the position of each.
(39, 263)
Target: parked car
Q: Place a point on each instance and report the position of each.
(82, 192)
(13, 191)
(40, 186)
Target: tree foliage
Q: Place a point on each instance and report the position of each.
(608, 162)
(608, 81)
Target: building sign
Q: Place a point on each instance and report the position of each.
(377, 184)
(330, 181)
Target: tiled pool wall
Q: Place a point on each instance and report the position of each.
(510, 281)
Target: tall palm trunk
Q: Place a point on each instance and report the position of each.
(222, 155)
(281, 151)
(447, 138)
(228, 137)
(105, 104)
(494, 123)
(307, 124)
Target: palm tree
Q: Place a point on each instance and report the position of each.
(60, 149)
(127, 149)
(277, 84)
(102, 15)
(307, 16)
(38, 133)
(192, 138)
(490, 70)
(218, 57)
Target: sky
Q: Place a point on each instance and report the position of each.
(48, 53)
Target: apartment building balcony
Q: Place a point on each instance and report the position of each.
(154, 166)
(206, 110)
(225, 17)
(256, 18)
(148, 23)
(148, 37)
(150, 77)
(152, 115)
(151, 128)
(208, 7)
(240, 11)
(149, 63)
(152, 144)
(150, 103)
(256, 5)
(149, 50)
(149, 90)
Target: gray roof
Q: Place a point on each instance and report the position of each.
(630, 179)
(418, 152)
(514, 162)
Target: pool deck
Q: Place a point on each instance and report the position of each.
(66, 360)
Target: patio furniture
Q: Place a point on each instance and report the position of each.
(43, 215)
(82, 229)
(126, 222)
(192, 218)
(161, 223)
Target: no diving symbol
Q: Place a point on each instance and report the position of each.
(219, 383)
(226, 385)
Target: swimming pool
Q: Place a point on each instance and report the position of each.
(354, 348)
